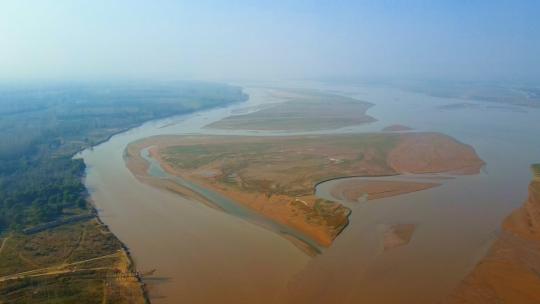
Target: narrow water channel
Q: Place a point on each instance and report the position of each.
(227, 205)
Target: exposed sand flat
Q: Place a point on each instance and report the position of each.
(306, 110)
(397, 235)
(510, 271)
(432, 153)
(396, 128)
(358, 190)
(276, 176)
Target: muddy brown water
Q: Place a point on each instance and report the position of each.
(203, 255)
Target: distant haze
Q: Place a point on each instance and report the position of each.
(220, 40)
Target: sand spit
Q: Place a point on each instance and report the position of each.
(363, 190)
(509, 273)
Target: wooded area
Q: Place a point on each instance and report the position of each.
(43, 126)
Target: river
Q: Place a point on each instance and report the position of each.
(203, 255)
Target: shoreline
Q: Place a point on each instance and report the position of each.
(131, 263)
(95, 211)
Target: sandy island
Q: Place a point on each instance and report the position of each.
(303, 110)
(276, 176)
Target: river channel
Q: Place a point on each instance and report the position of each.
(205, 255)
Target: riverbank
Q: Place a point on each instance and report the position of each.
(84, 256)
(509, 272)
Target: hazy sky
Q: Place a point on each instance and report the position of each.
(468, 39)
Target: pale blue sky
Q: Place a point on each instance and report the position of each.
(57, 39)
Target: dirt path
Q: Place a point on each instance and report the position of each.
(79, 242)
(104, 298)
(58, 269)
(4, 241)
(28, 261)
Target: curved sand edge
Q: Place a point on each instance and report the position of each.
(509, 273)
(365, 189)
(138, 167)
(259, 203)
